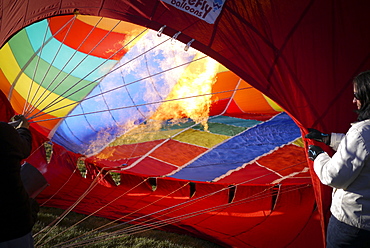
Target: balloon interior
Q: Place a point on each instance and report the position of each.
(137, 127)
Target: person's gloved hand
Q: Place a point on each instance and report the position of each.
(318, 136)
(18, 121)
(314, 151)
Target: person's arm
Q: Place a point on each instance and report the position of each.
(335, 140)
(15, 142)
(346, 164)
(25, 141)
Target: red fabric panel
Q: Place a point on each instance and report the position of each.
(241, 224)
(96, 45)
(111, 163)
(232, 108)
(285, 160)
(218, 107)
(152, 168)
(177, 153)
(61, 175)
(6, 110)
(292, 207)
(253, 116)
(104, 178)
(271, 167)
(251, 174)
(128, 151)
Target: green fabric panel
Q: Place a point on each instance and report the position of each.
(22, 51)
(234, 121)
(222, 129)
(180, 124)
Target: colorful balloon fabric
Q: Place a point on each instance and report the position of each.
(131, 101)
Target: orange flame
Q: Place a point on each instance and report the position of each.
(191, 96)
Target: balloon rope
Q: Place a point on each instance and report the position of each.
(96, 211)
(69, 60)
(129, 95)
(30, 60)
(29, 107)
(232, 97)
(127, 215)
(195, 200)
(60, 188)
(200, 198)
(56, 100)
(34, 73)
(53, 224)
(188, 203)
(110, 90)
(160, 223)
(131, 106)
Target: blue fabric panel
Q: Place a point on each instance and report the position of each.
(63, 57)
(241, 149)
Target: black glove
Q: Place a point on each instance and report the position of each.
(18, 121)
(314, 151)
(318, 136)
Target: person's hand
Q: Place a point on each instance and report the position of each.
(318, 136)
(19, 121)
(314, 151)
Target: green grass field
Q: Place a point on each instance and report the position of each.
(67, 230)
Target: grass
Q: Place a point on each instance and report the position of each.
(148, 239)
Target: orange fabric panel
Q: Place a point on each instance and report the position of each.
(250, 99)
(225, 84)
(17, 103)
(5, 85)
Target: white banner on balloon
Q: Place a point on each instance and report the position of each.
(207, 10)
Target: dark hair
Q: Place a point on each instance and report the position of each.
(362, 85)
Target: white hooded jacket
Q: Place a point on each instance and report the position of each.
(348, 172)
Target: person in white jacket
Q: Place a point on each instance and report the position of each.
(348, 173)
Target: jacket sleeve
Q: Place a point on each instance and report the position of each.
(335, 140)
(26, 141)
(346, 164)
(15, 143)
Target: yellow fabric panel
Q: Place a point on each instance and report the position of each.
(222, 68)
(10, 68)
(8, 64)
(143, 133)
(299, 142)
(200, 138)
(273, 104)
